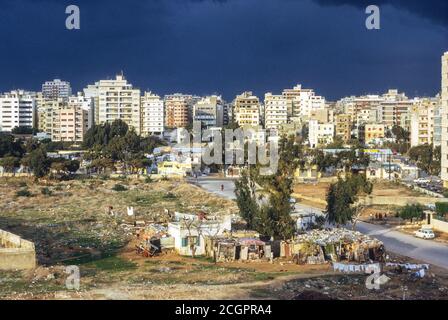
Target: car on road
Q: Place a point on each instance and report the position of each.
(425, 234)
(422, 180)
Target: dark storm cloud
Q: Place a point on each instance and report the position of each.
(434, 10)
(207, 46)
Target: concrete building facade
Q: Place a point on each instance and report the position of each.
(56, 89)
(153, 113)
(444, 116)
(177, 111)
(17, 109)
(209, 111)
(247, 109)
(116, 99)
(320, 133)
(275, 110)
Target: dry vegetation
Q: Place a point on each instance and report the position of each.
(70, 226)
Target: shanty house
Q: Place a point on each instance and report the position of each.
(190, 231)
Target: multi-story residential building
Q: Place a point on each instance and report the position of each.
(91, 92)
(227, 114)
(178, 111)
(209, 111)
(56, 89)
(422, 121)
(46, 113)
(301, 101)
(367, 116)
(320, 134)
(437, 141)
(153, 113)
(391, 112)
(247, 109)
(17, 109)
(325, 115)
(275, 110)
(370, 133)
(344, 126)
(70, 123)
(116, 99)
(87, 104)
(444, 115)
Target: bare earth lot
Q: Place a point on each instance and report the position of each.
(72, 227)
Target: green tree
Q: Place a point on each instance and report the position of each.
(10, 146)
(9, 163)
(411, 212)
(37, 162)
(427, 158)
(268, 212)
(341, 197)
(246, 199)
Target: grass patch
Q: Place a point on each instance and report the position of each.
(112, 264)
(119, 188)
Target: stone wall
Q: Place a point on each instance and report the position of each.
(439, 225)
(16, 253)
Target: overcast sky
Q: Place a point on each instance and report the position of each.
(227, 46)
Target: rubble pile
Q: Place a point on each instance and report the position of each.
(338, 244)
(337, 235)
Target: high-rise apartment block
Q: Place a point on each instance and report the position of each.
(422, 121)
(247, 109)
(117, 99)
(444, 116)
(17, 109)
(152, 114)
(56, 89)
(301, 102)
(178, 110)
(275, 110)
(209, 111)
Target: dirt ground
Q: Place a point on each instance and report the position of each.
(71, 219)
(314, 193)
(169, 276)
(319, 190)
(71, 227)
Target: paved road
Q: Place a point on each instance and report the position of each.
(425, 250)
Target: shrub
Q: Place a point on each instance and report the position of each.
(46, 191)
(119, 188)
(23, 193)
(412, 211)
(442, 208)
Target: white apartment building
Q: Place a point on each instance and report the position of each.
(87, 104)
(275, 111)
(247, 109)
(209, 111)
(17, 109)
(56, 89)
(422, 121)
(152, 114)
(117, 99)
(320, 133)
(301, 102)
(444, 115)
